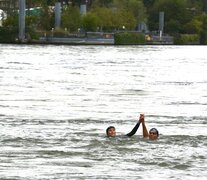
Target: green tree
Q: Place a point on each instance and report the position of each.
(110, 19)
(32, 3)
(46, 21)
(177, 14)
(204, 5)
(102, 3)
(125, 20)
(11, 21)
(138, 10)
(71, 18)
(194, 27)
(148, 3)
(89, 22)
(135, 7)
(49, 2)
(202, 28)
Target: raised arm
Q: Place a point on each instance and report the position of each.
(144, 128)
(134, 130)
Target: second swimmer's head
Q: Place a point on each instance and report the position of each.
(153, 134)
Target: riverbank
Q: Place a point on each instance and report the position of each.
(127, 38)
(87, 38)
(167, 40)
(76, 41)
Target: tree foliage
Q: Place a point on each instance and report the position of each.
(181, 16)
(71, 18)
(47, 18)
(177, 14)
(90, 22)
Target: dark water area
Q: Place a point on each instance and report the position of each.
(57, 101)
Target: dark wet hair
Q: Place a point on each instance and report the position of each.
(109, 128)
(154, 129)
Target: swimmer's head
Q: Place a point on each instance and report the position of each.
(111, 131)
(153, 134)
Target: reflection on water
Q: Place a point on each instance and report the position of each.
(57, 101)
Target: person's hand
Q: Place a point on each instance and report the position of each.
(141, 118)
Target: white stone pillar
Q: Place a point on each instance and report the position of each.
(57, 14)
(22, 5)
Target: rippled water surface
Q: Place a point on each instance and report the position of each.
(57, 101)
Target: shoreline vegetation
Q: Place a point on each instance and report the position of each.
(97, 38)
(106, 22)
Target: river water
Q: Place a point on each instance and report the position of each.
(57, 101)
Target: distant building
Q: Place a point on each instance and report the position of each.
(9, 6)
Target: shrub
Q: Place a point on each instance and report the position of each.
(129, 38)
(203, 38)
(8, 34)
(187, 39)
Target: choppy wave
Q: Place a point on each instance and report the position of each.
(57, 101)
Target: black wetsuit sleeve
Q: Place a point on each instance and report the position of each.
(134, 130)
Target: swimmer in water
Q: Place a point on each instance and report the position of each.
(153, 133)
(111, 131)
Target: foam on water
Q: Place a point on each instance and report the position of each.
(57, 101)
